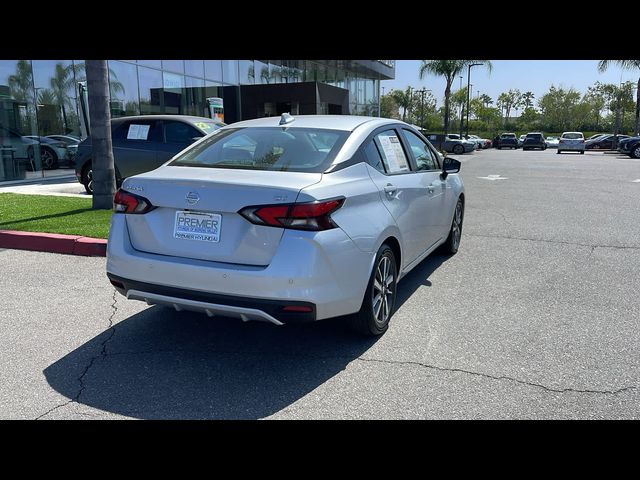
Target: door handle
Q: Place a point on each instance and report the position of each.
(390, 189)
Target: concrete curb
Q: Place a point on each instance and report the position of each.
(54, 242)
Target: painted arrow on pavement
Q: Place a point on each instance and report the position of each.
(494, 177)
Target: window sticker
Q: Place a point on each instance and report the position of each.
(396, 160)
(138, 132)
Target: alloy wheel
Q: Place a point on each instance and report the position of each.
(383, 292)
(47, 159)
(456, 228)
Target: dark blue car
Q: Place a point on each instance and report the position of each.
(143, 143)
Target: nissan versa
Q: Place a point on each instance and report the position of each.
(287, 219)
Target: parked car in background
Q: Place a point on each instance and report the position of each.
(630, 146)
(53, 153)
(23, 148)
(592, 137)
(571, 142)
(70, 141)
(605, 142)
(453, 144)
(285, 232)
(144, 142)
(552, 142)
(508, 140)
(534, 140)
(480, 142)
(521, 139)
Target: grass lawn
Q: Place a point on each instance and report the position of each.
(53, 214)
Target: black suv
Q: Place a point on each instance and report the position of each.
(508, 140)
(534, 140)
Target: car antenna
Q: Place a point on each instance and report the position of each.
(285, 118)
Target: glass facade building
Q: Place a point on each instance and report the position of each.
(40, 103)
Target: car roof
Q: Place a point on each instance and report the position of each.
(333, 122)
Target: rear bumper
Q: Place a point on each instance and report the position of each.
(212, 304)
(323, 269)
(567, 147)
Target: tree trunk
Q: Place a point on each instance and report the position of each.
(447, 94)
(636, 130)
(100, 119)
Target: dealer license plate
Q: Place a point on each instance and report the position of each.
(200, 226)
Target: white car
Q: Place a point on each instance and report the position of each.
(552, 142)
(287, 219)
(571, 142)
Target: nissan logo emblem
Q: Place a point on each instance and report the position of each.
(192, 198)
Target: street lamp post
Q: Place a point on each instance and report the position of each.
(461, 110)
(422, 92)
(469, 91)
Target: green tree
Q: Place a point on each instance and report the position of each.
(486, 99)
(448, 69)
(389, 107)
(103, 174)
(627, 65)
(557, 108)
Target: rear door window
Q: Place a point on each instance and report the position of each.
(393, 155)
(179, 132)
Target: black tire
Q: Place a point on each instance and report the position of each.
(558, 152)
(635, 151)
(499, 148)
(366, 322)
(581, 152)
(48, 158)
(87, 174)
(451, 245)
(524, 149)
(458, 149)
(86, 178)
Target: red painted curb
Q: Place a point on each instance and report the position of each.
(53, 242)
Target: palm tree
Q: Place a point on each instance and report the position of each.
(626, 65)
(403, 99)
(60, 83)
(21, 83)
(100, 118)
(448, 69)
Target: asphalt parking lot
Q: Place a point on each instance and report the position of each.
(536, 317)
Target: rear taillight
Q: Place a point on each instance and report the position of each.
(299, 216)
(125, 202)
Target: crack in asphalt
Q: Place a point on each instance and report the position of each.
(593, 247)
(504, 217)
(501, 377)
(393, 362)
(103, 354)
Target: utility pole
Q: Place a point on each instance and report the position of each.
(461, 110)
(469, 91)
(422, 92)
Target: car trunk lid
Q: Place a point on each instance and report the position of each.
(196, 212)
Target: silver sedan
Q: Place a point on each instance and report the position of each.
(287, 219)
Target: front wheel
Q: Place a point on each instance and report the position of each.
(635, 152)
(458, 149)
(558, 152)
(581, 152)
(379, 297)
(87, 179)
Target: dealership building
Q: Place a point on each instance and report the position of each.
(41, 101)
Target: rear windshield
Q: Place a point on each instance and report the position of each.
(266, 148)
(508, 135)
(572, 135)
(534, 135)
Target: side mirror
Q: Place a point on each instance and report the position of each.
(450, 165)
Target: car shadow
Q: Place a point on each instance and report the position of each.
(163, 364)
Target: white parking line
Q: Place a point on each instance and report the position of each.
(494, 177)
(636, 181)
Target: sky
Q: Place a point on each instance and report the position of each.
(525, 75)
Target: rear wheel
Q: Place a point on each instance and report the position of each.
(48, 158)
(635, 151)
(581, 152)
(451, 245)
(379, 297)
(558, 152)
